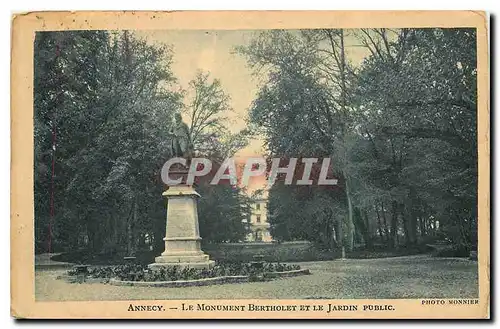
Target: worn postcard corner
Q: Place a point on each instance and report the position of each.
(292, 165)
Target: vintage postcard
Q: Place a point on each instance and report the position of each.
(251, 165)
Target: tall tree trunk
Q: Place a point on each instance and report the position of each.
(412, 217)
(130, 234)
(135, 236)
(115, 230)
(361, 222)
(340, 236)
(413, 227)
(367, 236)
(343, 95)
(406, 226)
(330, 231)
(91, 237)
(394, 225)
(421, 222)
(386, 226)
(350, 218)
(379, 225)
(95, 238)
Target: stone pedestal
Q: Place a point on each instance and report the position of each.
(182, 239)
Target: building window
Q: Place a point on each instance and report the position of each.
(258, 235)
(258, 218)
(257, 206)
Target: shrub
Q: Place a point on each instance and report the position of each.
(452, 251)
(135, 272)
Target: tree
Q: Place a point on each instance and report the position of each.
(419, 98)
(401, 128)
(222, 208)
(308, 89)
(111, 117)
(207, 111)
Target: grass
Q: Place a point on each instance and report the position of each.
(299, 251)
(400, 277)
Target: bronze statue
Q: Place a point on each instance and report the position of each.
(181, 145)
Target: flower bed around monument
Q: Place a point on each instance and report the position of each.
(141, 275)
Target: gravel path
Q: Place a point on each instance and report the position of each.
(401, 277)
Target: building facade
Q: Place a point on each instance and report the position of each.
(259, 226)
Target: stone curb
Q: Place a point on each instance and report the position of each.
(287, 274)
(207, 281)
(182, 283)
(81, 279)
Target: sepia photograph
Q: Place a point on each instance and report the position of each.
(336, 164)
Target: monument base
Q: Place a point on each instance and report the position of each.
(197, 260)
(182, 240)
(201, 265)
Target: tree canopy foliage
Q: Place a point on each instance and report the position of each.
(400, 128)
(103, 109)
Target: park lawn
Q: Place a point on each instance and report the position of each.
(399, 277)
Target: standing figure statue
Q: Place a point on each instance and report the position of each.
(181, 145)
